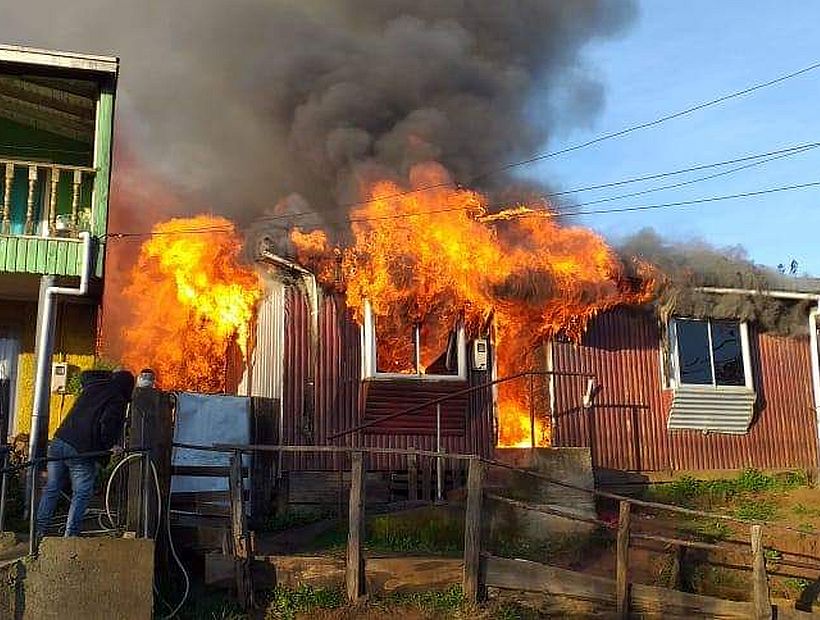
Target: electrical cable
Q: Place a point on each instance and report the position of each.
(755, 159)
(581, 145)
(171, 545)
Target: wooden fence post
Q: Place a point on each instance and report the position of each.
(412, 477)
(472, 531)
(622, 567)
(761, 603)
(426, 479)
(354, 575)
(239, 533)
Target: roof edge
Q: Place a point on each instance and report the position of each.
(64, 60)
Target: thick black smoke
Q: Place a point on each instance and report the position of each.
(247, 103)
(686, 266)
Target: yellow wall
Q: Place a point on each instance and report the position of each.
(75, 337)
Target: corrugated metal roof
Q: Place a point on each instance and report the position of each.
(722, 410)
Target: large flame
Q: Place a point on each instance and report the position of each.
(190, 298)
(438, 256)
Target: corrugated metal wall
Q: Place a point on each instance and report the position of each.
(337, 386)
(263, 376)
(626, 429)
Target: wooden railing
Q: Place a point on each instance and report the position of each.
(482, 570)
(68, 224)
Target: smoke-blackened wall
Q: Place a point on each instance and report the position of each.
(248, 102)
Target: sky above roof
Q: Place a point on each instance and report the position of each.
(680, 54)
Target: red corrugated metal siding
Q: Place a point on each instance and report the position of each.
(338, 391)
(626, 429)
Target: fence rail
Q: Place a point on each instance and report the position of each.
(481, 569)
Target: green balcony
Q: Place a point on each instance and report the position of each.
(56, 120)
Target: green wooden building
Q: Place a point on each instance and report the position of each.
(56, 124)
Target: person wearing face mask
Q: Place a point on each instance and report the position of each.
(94, 424)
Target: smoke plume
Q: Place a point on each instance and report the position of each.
(249, 104)
(689, 265)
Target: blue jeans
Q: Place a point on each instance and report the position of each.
(82, 472)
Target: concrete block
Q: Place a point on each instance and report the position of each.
(89, 578)
(567, 465)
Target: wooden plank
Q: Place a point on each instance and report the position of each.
(31, 256)
(42, 249)
(51, 255)
(22, 255)
(760, 582)
(4, 250)
(354, 570)
(472, 532)
(240, 535)
(102, 160)
(426, 479)
(412, 477)
(622, 563)
(72, 259)
(645, 601)
(62, 253)
(10, 263)
(204, 471)
(678, 542)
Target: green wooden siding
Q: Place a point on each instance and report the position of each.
(41, 255)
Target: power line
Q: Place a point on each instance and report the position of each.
(534, 213)
(765, 156)
(585, 144)
(542, 212)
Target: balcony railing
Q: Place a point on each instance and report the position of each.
(45, 199)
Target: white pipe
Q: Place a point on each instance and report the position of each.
(45, 337)
(749, 291)
(815, 367)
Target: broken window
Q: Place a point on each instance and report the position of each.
(709, 352)
(434, 347)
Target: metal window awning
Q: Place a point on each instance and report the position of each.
(712, 409)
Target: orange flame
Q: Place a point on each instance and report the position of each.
(191, 299)
(437, 256)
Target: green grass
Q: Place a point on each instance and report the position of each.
(295, 517)
(430, 531)
(756, 509)
(693, 493)
(286, 603)
(446, 603)
(566, 549)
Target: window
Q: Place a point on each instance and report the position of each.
(394, 348)
(708, 352)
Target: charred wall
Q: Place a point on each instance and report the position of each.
(335, 380)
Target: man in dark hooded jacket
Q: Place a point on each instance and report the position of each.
(93, 424)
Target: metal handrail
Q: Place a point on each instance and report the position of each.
(446, 397)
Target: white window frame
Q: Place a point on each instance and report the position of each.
(369, 362)
(674, 379)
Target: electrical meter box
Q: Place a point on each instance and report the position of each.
(480, 354)
(59, 377)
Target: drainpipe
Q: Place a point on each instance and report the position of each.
(815, 369)
(44, 344)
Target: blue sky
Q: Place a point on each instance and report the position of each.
(682, 53)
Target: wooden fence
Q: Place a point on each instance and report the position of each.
(482, 570)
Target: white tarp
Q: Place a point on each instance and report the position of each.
(205, 420)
